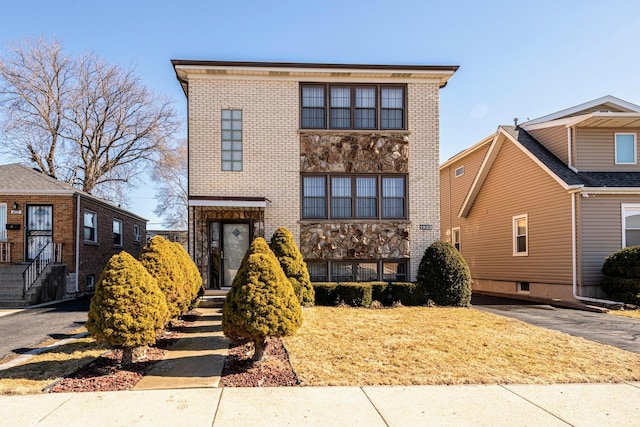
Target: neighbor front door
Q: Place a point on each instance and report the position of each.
(39, 229)
(228, 242)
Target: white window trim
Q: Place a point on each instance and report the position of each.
(624, 208)
(514, 222)
(461, 169)
(453, 240)
(136, 233)
(3, 222)
(121, 233)
(635, 148)
(95, 226)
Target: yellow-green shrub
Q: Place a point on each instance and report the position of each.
(127, 307)
(160, 261)
(291, 261)
(191, 273)
(261, 302)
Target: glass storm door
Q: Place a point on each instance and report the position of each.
(39, 229)
(228, 243)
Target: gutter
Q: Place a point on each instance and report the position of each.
(574, 257)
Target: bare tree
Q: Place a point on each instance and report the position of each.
(172, 196)
(79, 119)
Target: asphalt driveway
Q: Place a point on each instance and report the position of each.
(27, 329)
(617, 331)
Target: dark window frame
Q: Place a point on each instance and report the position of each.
(118, 238)
(353, 109)
(356, 276)
(86, 228)
(354, 198)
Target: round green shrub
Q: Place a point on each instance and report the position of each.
(160, 261)
(261, 302)
(443, 276)
(624, 263)
(291, 261)
(127, 307)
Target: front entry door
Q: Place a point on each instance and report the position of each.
(39, 229)
(228, 242)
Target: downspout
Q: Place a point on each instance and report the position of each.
(574, 253)
(77, 243)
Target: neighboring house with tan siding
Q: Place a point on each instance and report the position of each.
(541, 205)
(55, 239)
(345, 156)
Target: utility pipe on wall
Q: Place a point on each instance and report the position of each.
(77, 242)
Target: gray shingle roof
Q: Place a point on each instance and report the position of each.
(18, 177)
(559, 168)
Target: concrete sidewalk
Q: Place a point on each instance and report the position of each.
(481, 405)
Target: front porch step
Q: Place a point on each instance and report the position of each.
(213, 298)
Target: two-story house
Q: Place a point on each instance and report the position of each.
(345, 156)
(45, 225)
(536, 208)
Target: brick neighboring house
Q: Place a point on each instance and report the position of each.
(75, 230)
(536, 208)
(345, 156)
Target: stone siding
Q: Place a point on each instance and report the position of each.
(354, 153)
(361, 240)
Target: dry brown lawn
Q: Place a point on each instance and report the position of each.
(422, 345)
(43, 369)
(635, 314)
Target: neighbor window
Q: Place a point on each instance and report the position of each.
(3, 221)
(232, 140)
(136, 233)
(460, 171)
(630, 225)
(90, 226)
(522, 287)
(352, 106)
(359, 271)
(625, 148)
(455, 237)
(353, 196)
(117, 232)
(520, 235)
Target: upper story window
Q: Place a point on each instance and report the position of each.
(366, 196)
(90, 226)
(117, 232)
(328, 106)
(460, 171)
(231, 140)
(626, 152)
(520, 235)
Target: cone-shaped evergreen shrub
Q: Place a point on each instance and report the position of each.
(443, 275)
(291, 261)
(191, 273)
(621, 275)
(160, 261)
(261, 302)
(127, 307)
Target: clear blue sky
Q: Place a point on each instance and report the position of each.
(517, 58)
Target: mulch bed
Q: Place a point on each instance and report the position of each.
(107, 374)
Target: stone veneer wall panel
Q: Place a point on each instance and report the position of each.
(354, 153)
